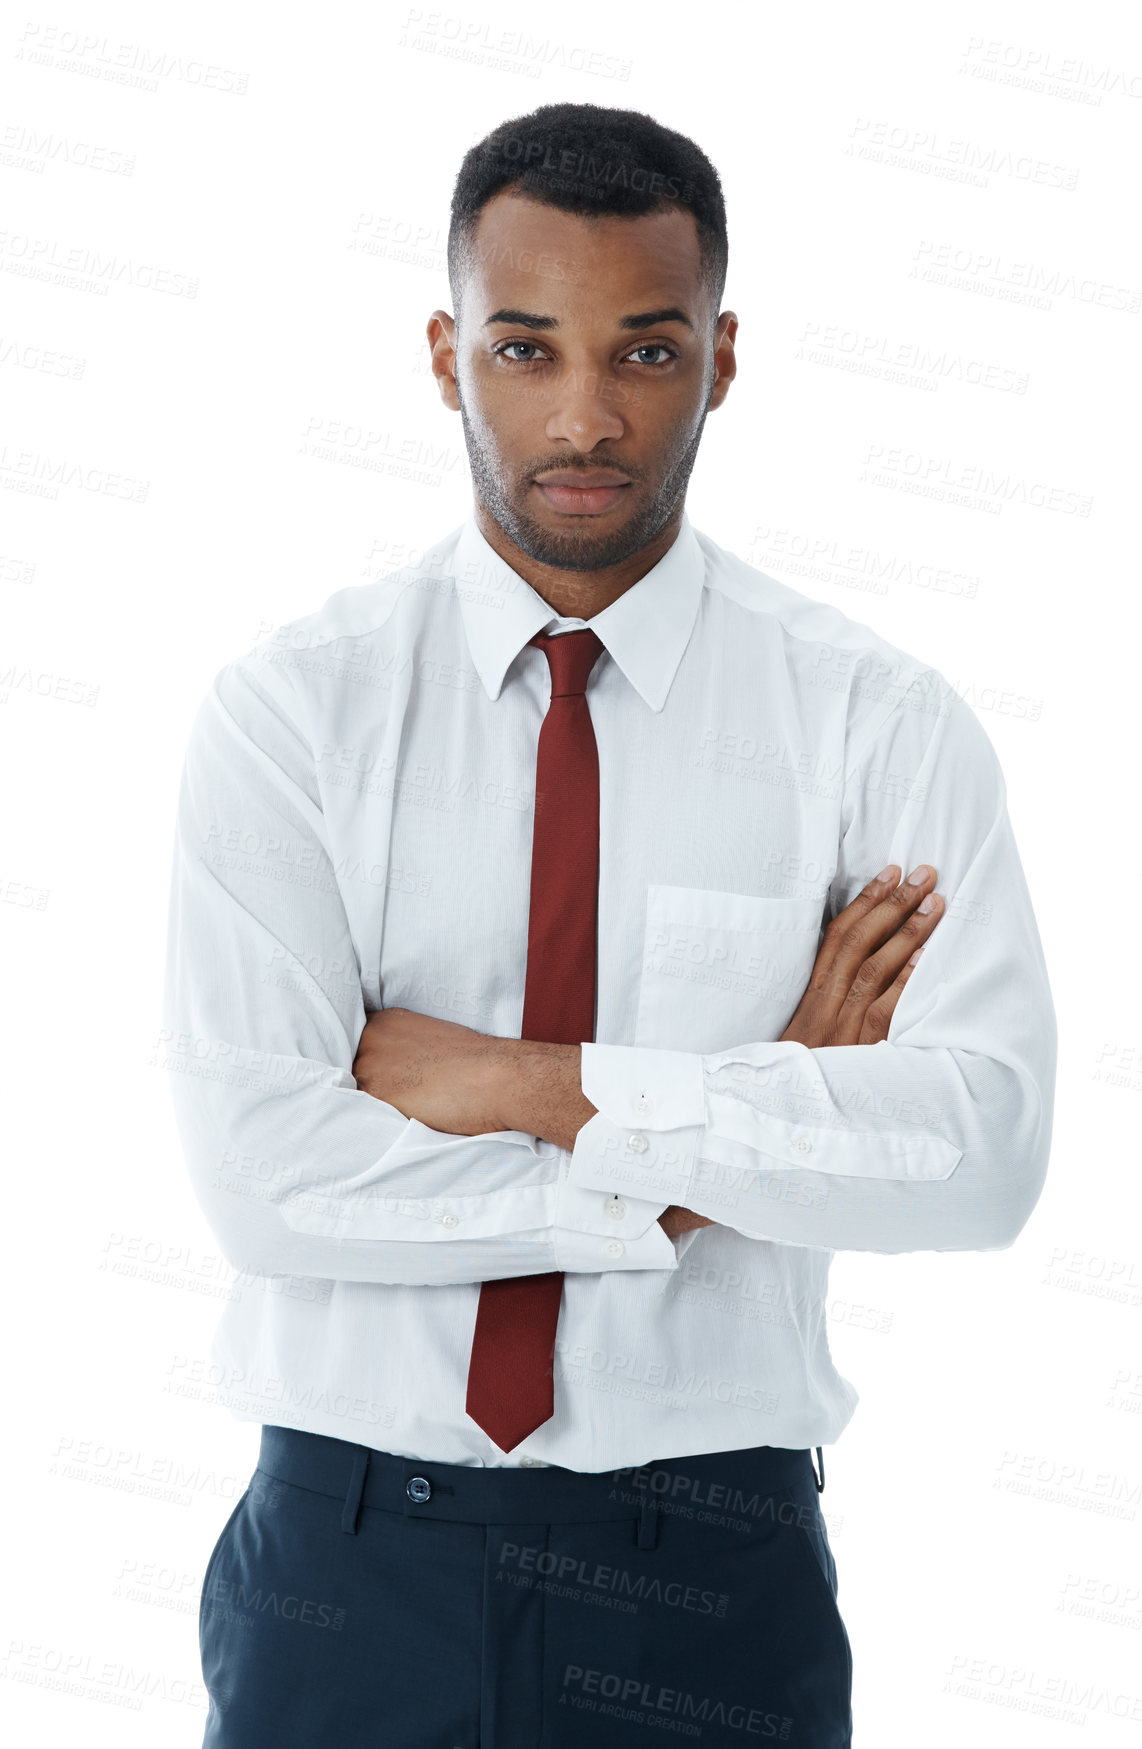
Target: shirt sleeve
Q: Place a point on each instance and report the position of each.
(297, 1170)
(934, 1139)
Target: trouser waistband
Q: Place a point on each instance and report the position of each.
(461, 1493)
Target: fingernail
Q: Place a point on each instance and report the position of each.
(926, 906)
(915, 956)
(919, 875)
(887, 873)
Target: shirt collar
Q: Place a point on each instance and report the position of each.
(645, 630)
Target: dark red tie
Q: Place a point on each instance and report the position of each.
(511, 1387)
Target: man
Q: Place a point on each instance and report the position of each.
(546, 1006)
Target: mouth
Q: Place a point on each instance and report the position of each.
(574, 500)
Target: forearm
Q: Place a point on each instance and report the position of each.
(299, 1168)
(880, 1148)
(537, 1088)
(935, 1137)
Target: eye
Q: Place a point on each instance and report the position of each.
(502, 350)
(656, 346)
(506, 346)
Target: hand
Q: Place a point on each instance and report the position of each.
(675, 1220)
(434, 1070)
(863, 965)
(860, 970)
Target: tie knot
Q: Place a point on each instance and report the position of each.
(571, 657)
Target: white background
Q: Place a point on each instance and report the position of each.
(934, 259)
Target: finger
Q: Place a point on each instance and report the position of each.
(881, 967)
(875, 976)
(865, 901)
(875, 1025)
(906, 927)
(877, 925)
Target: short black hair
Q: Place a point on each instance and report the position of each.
(588, 159)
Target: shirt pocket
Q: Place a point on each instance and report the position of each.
(722, 969)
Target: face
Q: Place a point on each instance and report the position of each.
(585, 358)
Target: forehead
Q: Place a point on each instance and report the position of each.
(530, 254)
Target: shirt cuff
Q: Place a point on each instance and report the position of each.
(640, 1086)
(598, 1230)
(646, 1133)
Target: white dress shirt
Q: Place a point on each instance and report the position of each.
(354, 833)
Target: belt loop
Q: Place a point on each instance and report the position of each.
(821, 1467)
(647, 1524)
(356, 1489)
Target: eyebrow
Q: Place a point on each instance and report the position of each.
(632, 324)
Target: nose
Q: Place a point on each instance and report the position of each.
(584, 411)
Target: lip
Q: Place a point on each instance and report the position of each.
(564, 492)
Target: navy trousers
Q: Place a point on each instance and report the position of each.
(356, 1598)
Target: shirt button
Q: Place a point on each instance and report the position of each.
(637, 1143)
(450, 1220)
(803, 1145)
(418, 1488)
(614, 1247)
(529, 1463)
(616, 1208)
(644, 1103)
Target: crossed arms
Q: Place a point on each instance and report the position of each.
(455, 1079)
(926, 1128)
